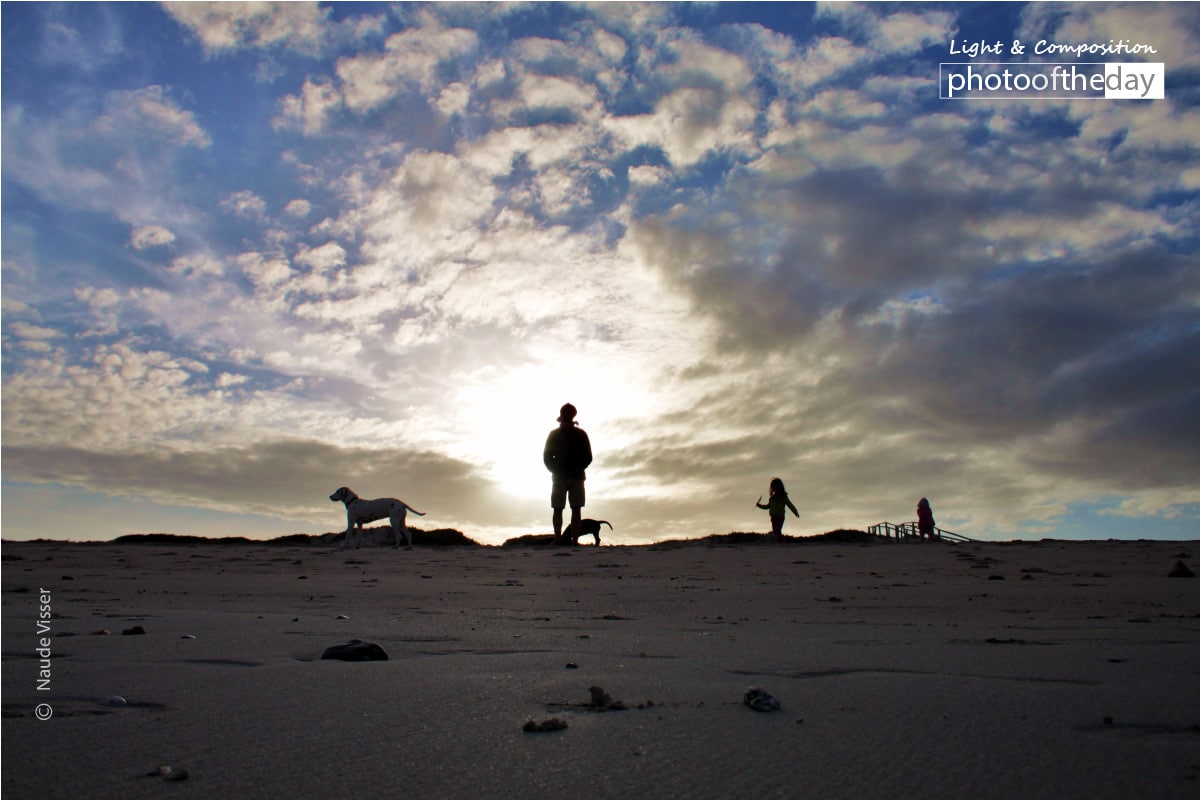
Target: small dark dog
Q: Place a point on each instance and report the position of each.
(591, 527)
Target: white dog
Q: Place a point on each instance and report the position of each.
(359, 511)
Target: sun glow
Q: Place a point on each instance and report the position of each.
(512, 411)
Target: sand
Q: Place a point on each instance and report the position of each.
(990, 670)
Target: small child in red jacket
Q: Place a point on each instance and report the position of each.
(925, 524)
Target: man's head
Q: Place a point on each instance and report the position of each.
(566, 414)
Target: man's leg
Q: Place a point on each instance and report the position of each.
(557, 519)
(577, 497)
(558, 500)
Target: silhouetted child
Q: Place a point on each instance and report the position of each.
(925, 524)
(776, 506)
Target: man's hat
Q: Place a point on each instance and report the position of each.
(567, 413)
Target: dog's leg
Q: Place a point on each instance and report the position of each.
(399, 523)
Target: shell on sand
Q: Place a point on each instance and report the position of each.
(545, 726)
(760, 700)
(1180, 570)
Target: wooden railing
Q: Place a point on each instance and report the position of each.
(909, 531)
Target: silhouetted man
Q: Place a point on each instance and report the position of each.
(567, 454)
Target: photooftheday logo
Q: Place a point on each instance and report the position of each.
(1050, 81)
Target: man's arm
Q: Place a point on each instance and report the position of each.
(585, 451)
(550, 451)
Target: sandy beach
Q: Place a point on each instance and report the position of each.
(988, 670)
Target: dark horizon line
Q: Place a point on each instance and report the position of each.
(449, 537)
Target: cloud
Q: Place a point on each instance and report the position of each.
(150, 236)
(365, 82)
(1169, 28)
(226, 380)
(409, 60)
(149, 112)
(223, 27)
(705, 102)
(453, 99)
(689, 124)
(64, 42)
(264, 270)
(308, 111)
(248, 479)
(25, 330)
(543, 95)
(298, 208)
(323, 258)
(245, 203)
(196, 264)
(97, 298)
(112, 153)
(902, 32)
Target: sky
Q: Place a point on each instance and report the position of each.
(253, 252)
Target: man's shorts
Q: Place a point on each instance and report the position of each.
(564, 487)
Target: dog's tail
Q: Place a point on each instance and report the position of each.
(413, 510)
(605, 522)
